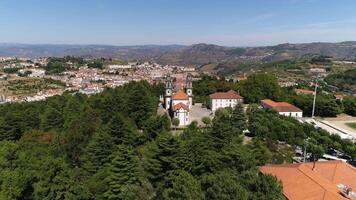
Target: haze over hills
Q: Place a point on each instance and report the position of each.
(197, 54)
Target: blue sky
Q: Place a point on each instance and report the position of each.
(136, 22)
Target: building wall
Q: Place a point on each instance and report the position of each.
(215, 104)
(183, 116)
(292, 114)
(167, 102)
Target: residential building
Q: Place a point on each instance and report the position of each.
(283, 108)
(323, 180)
(224, 99)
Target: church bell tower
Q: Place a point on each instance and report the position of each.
(189, 89)
(168, 92)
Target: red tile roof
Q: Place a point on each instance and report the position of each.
(280, 106)
(301, 182)
(179, 106)
(180, 95)
(225, 95)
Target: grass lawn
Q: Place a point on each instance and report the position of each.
(352, 125)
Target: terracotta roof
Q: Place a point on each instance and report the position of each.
(225, 95)
(301, 182)
(304, 91)
(180, 95)
(280, 106)
(179, 106)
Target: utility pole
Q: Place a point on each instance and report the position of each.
(305, 149)
(316, 86)
(305, 152)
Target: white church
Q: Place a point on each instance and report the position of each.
(178, 99)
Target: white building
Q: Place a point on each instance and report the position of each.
(178, 101)
(181, 112)
(224, 99)
(283, 108)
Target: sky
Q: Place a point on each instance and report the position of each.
(141, 22)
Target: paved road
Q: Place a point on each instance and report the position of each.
(197, 113)
(331, 128)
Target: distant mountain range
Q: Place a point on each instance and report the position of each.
(198, 54)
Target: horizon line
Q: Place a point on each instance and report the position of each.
(184, 45)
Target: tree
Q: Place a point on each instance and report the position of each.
(52, 119)
(206, 120)
(125, 175)
(79, 134)
(97, 152)
(238, 119)
(260, 86)
(350, 105)
(175, 122)
(11, 126)
(96, 64)
(141, 104)
(122, 131)
(263, 186)
(316, 150)
(180, 185)
(156, 125)
(223, 185)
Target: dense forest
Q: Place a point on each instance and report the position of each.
(113, 145)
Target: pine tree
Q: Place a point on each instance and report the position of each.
(180, 185)
(98, 150)
(168, 152)
(52, 119)
(124, 175)
(238, 119)
(223, 185)
(121, 130)
(141, 105)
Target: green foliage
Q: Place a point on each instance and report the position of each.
(349, 104)
(124, 178)
(238, 118)
(206, 120)
(223, 185)
(260, 86)
(11, 70)
(52, 119)
(180, 185)
(345, 80)
(272, 127)
(175, 122)
(55, 67)
(97, 152)
(114, 146)
(208, 85)
(262, 186)
(96, 64)
(325, 106)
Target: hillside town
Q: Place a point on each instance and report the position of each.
(83, 79)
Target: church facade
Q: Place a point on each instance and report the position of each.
(178, 99)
